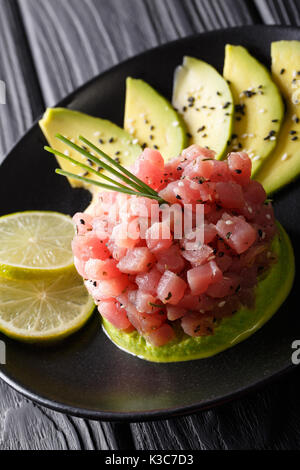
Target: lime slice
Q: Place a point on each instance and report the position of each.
(35, 245)
(44, 310)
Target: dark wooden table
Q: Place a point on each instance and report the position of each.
(47, 49)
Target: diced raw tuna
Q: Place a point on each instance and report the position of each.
(226, 286)
(174, 312)
(101, 269)
(212, 170)
(144, 322)
(161, 336)
(240, 167)
(112, 311)
(223, 261)
(89, 246)
(199, 256)
(170, 259)
(148, 282)
(80, 266)
(126, 234)
(159, 237)
(149, 167)
(230, 195)
(194, 151)
(145, 302)
(170, 288)
(201, 277)
(189, 302)
(144, 278)
(254, 193)
(111, 288)
(236, 232)
(137, 260)
(195, 324)
(116, 251)
(83, 223)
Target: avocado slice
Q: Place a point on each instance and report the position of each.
(284, 163)
(258, 105)
(271, 292)
(152, 121)
(204, 100)
(113, 140)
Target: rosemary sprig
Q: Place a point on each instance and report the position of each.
(106, 186)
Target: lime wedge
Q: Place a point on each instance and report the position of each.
(35, 245)
(44, 310)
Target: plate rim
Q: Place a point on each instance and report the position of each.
(150, 415)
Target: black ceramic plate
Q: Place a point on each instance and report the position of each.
(86, 374)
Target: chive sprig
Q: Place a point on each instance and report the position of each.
(133, 185)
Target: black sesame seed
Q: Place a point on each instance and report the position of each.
(260, 232)
(204, 135)
(155, 147)
(111, 140)
(101, 141)
(191, 99)
(249, 93)
(151, 137)
(295, 138)
(152, 128)
(168, 296)
(274, 120)
(293, 132)
(228, 235)
(201, 129)
(90, 162)
(179, 168)
(228, 103)
(95, 284)
(184, 109)
(219, 93)
(178, 197)
(82, 221)
(282, 71)
(238, 171)
(189, 135)
(240, 108)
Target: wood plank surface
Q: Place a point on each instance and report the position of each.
(285, 12)
(89, 36)
(24, 425)
(47, 50)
